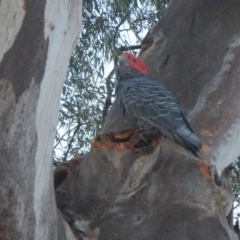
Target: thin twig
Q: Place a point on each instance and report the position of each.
(116, 30)
(71, 141)
(108, 101)
(133, 30)
(127, 48)
(61, 138)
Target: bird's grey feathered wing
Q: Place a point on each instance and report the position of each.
(153, 106)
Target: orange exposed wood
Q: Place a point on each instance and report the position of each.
(125, 134)
(203, 169)
(120, 141)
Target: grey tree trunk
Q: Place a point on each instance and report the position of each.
(37, 38)
(166, 193)
(114, 192)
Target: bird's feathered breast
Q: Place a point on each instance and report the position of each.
(141, 97)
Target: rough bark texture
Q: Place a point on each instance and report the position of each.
(32, 72)
(164, 192)
(114, 195)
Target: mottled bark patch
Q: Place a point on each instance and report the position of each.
(26, 59)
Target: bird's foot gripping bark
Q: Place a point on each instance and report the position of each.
(139, 142)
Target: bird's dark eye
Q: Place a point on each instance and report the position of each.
(134, 60)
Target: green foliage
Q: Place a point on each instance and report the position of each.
(235, 182)
(89, 88)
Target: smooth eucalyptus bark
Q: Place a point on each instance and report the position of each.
(37, 38)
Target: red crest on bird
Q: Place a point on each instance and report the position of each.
(134, 62)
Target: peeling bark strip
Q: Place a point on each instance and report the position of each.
(32, 72)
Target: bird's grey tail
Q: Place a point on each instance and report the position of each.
(188, 139)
